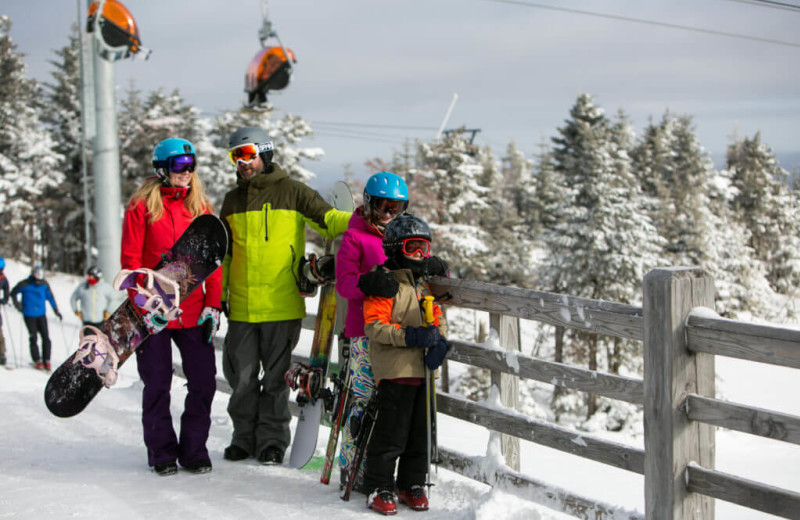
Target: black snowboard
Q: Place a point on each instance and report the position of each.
(197, 253)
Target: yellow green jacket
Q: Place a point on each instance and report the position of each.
(266, 219)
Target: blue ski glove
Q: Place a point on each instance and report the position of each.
(436, 354)
(378, 283)
(209, 320)
(422, 336)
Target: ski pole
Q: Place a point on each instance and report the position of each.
(11, 338)
(64, 336)
(430, 399)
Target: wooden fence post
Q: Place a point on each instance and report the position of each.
(508, 330)
(671, 372)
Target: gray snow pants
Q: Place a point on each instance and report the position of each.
(259, 409)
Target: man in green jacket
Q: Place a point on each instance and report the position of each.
(266, 215)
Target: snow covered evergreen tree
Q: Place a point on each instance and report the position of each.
(601, 245)
(29, 163)
(450, 175)
(766, 207)
(143, 124)
(688, 202)
(66, 238)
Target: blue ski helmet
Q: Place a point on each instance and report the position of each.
(165, 151)
(386, 185)
(2, 263)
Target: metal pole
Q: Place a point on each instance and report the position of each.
(447, 116)
(85, 120)
(107, 205)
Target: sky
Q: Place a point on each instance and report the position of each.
(372, 75)
(86, 466)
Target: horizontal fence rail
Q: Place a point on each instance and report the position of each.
(614, 387)
(544, 433)
(737, 490)
(742, 340)
(747, 419)
(601, 317)
(525, 487)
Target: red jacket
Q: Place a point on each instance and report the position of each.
(144, 242)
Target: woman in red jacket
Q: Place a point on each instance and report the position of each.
(158, 213)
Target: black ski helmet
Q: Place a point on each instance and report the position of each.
(94, 271)
(257, 136)
(399, 229)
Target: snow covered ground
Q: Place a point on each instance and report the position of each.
(94, 465)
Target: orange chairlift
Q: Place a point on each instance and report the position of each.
(271, 67)
(116, 30)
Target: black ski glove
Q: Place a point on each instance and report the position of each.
(18, 305)
(422, 336)
(226, 310)
(436, 354)
(58, 314)
(378, 283)
(438, 267)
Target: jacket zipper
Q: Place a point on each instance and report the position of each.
(266, 223)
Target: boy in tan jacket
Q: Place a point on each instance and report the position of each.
(401, 346)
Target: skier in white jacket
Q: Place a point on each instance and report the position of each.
(93, 300)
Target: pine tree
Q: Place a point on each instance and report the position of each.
(764, 204)
(450, 175)
(66, 238)
(29, 172)
(601, 244)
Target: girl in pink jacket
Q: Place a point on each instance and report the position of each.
(385, 197)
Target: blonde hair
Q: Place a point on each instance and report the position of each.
(196, 201)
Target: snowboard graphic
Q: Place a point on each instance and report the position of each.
(310, 378)
(197, 253)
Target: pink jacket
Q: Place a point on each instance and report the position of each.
(360, 251)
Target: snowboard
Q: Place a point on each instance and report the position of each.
(310, 398)
(197, 253)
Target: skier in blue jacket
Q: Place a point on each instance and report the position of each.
(34, 291)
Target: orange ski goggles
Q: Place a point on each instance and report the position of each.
(247, 152)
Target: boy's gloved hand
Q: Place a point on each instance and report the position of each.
(436, 354)
(422, 336)
(209, 320)
(378, 283)
(438, 267)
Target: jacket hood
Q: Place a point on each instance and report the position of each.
(173, 192)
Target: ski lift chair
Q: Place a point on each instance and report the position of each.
(270, 69)
(118, 36)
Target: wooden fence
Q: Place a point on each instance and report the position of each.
(681, 336)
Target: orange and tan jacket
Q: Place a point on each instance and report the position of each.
(385, 320)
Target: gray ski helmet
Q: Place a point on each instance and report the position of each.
(401, 228)
(257, 136)
(37, 272)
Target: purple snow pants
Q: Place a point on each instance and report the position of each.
(154, 360)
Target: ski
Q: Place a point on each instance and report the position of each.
(339, 406)
(365, 428)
